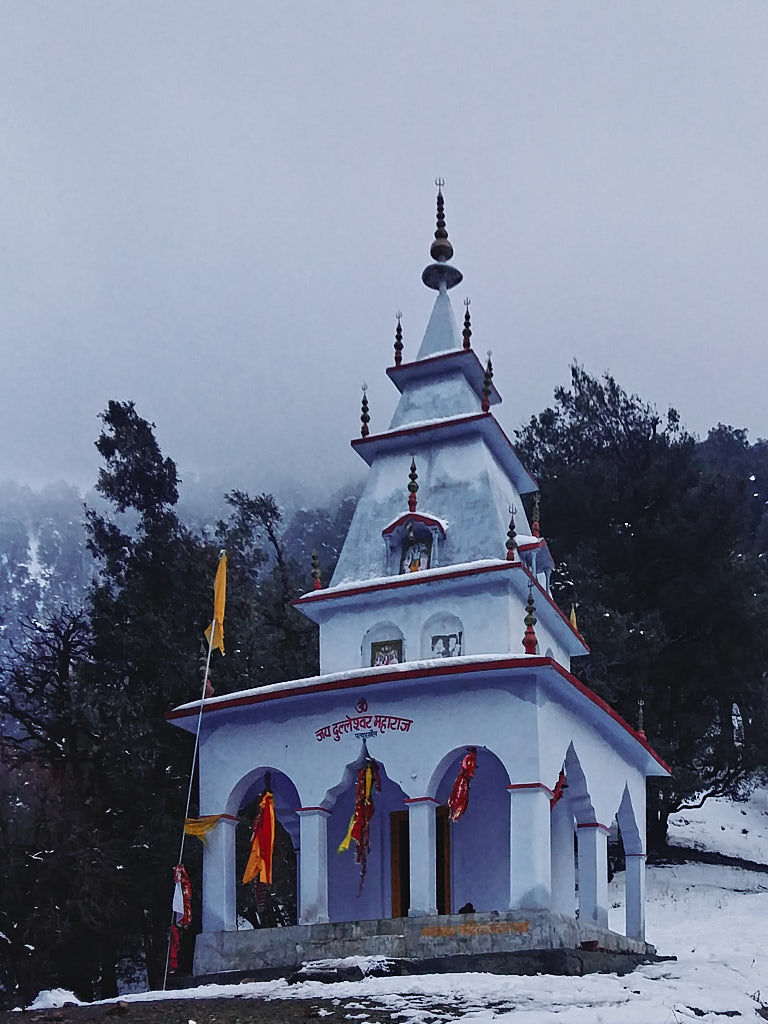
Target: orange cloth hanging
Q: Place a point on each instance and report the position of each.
(259, 864)
(200, 827)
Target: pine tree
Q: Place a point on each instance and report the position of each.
(654, 536)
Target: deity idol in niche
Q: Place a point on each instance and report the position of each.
(416, 552)
(387, 652)
(446, 645)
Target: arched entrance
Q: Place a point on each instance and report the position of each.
(473, 852)
(349, 898)
(259, 905)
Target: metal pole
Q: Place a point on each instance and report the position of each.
(191, 781)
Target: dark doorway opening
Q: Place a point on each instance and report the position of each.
(400, 863)
(443, 855)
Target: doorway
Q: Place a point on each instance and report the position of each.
(400, 861)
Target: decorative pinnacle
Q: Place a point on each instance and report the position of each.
(467, 333)
(530, 643)
(535, 528)
(316, 585)
(640, 706)
(413, 485)
(398, 339)
(511, 535)
(485, 405)
(438, 274)
(441, 250)
(365, 419)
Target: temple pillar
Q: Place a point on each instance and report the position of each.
(529, 846)
(422, 846)
(563, 862)
(593, 873)
(218, 909)
(634, 896)
(313, 865)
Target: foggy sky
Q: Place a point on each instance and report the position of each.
(215, 209)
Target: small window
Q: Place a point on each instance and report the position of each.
(386, 652)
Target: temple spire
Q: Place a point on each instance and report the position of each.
(467, 332)
(536, 517)
(530, 643)
(485, 405)
(315, 573)
(413, 485)
(398, 339)
(365, 417)
(439, 275)
(511, 536)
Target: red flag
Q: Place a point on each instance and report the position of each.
(458, 801)
(259, 864)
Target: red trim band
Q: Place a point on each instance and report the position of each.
(462, 355)
(532, 785)
(323, 809)
(460, 421)
(414, 578)
(400, 581)
(420, 800)
(595, 824)
(415, 517)
(497, 665)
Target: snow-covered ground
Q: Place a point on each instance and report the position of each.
(724, 826)
(713, 919)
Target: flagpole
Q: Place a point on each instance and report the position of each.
(192, 772)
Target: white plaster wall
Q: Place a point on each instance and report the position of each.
(492, 621)
(492, 617)
(513, 718)
(281, 735)
(449, 394)
(460, 483)
(607, 770)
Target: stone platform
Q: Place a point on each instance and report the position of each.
(419, 938)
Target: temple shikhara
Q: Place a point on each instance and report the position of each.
(447, 784)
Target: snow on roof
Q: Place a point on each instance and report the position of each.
(422, 517)
(482, 423)
(420, 576)
(352, 673)
(352, 588)
(436, 668)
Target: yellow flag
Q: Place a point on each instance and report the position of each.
(200, 827)
(219, 600)
(572, 617)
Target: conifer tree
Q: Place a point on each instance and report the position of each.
(654, 536)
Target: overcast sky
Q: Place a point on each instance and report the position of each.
(215, 209)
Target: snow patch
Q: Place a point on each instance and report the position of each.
(53, 998)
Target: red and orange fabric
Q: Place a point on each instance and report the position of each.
(368, 778)
(458, 801)
(259, 864)
(182, 897)
(557, 792)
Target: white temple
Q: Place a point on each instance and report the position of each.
(438, 636)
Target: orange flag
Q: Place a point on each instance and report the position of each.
(572, 617)
(219, 600)
(259, 864)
